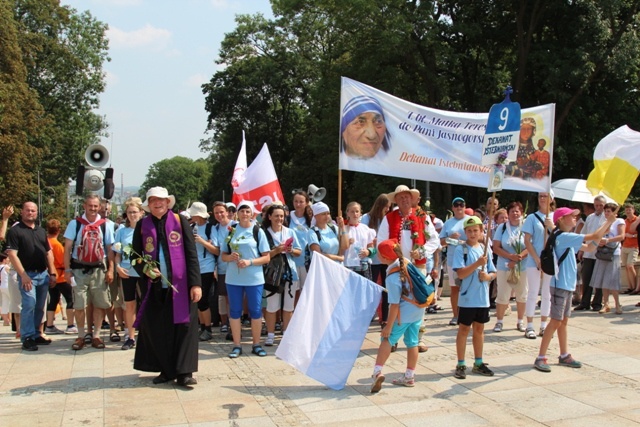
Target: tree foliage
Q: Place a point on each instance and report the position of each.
(281, 83)
(61, 54)
(185, 178)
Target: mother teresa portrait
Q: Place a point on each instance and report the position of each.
(363, 130)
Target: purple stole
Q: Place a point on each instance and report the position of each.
(173, 231)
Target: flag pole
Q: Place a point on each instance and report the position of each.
(339, 192)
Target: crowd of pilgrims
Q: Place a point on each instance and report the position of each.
(234, 243)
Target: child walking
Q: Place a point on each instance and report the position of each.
(476, 271)
(563, 284)
(404, 317)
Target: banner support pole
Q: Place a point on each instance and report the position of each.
(339, 192)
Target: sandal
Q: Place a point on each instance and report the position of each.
(236, 352)
(88, 338)
(530, 333)
(114, 337)
(78, 344)
(258, 350)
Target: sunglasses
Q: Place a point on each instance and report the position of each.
(458, 205)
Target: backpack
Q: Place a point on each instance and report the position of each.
(307, 249)
(547, 263)
(277, 273)
(207, 232)
(91, 247)
(423, 292)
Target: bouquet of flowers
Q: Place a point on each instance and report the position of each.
(150, 265)
(517, 244)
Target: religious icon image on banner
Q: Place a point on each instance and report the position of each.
(496, 178)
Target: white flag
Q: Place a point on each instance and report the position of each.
(330, 322)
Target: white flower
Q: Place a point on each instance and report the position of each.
(117, 246)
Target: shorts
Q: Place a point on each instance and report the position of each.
(206, 281)
(254, 300)
(628, 256)
(560, 303)
(222, 285)
(410, 332)
(284, 301)
(129, 290)
(453, 277)
(90, 289)
(468, 315)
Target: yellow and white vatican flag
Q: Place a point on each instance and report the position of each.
(616, 162)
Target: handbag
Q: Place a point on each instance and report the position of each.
(605, 253)
(513, 277)
(273, 273)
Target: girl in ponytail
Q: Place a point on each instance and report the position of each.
(404, 318)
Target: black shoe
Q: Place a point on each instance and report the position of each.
(596, 308)
(580, 307)
(228, 337)
(161, 379)
(29, 345)
(42, 340)
(186, 380)
(105, 325)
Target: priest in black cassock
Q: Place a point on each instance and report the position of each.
(168, 317)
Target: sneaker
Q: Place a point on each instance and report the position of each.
(498, 327)
(52, 330)
(205, 335)
(269, 341)
(541, 365)
(482, 369)
(569, 361)
(453, 322)
(71, 330)
(520, 327)
(541, 333)
(29, 345)
(128, 344)
(461, 372)
(405, 381)
(224, 329)
(377, 382)
(278, 326)
(530, 333)
(105, 325)
(88, 338)
(228, 337)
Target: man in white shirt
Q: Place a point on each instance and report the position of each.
(593, 222)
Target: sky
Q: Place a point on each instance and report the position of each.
(161, 52)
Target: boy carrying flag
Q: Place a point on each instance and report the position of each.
(476, 271)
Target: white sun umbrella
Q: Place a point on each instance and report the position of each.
(574, 190)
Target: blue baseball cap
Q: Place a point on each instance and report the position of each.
(458, 199)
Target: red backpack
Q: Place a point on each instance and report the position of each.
(91, 247)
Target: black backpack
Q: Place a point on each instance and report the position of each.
(277, 273)
(546, 256)
(307, 250)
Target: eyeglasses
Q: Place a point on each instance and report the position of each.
(458, 205)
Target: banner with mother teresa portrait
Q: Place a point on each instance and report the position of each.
(385, 135)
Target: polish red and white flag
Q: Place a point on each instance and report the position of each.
(241, 165)
(260, 183)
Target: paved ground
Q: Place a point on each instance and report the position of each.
(56, 386)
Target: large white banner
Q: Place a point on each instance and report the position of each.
(385, 135)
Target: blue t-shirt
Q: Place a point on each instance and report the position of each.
(509, 237)
(243, 242)
(299, 227)
(535, 229)
(281, 237)
(473, 292)
(124, 236)
(409, 313)
(218, 239)
(329, 242)
(453, 225)
(205, 258)
(567, 270)
(69, 233)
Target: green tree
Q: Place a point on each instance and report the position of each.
(63, 52)
(185, 178)
(20, 117)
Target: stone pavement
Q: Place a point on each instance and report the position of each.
(57, 386)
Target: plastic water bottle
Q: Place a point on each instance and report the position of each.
(451, 242)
